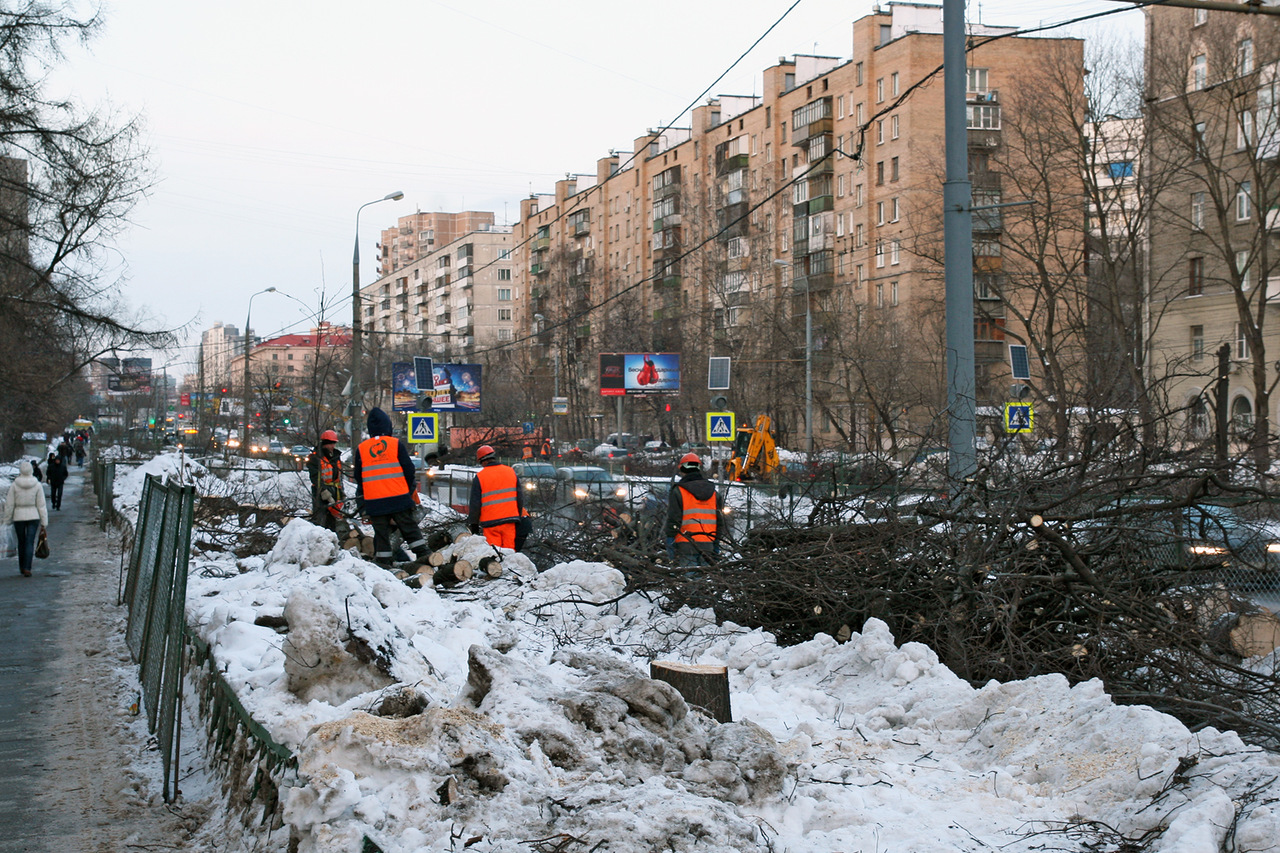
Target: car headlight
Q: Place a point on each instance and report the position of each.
(622, 492)
(728, 510)
(1273, 547)
(579, 492)
(1207, 550)
(530, 486)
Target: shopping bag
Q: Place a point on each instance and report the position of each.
(8, 543)
(42, 546)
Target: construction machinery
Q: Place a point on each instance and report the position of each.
(755, 455)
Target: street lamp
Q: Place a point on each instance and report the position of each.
(808, 364)
(357, 321)
(248, 342)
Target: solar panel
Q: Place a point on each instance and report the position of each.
(718, 374)
(1018, 361)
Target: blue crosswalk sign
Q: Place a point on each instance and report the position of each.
(720, 426)
(1018, 417)
(423, 427)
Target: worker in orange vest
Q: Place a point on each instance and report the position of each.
(325, 467)
(527, 453)
(695, 516)
(497, 502)
(387, 489)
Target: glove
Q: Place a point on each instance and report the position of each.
(671, 546)
(475, 528)
(326, 495)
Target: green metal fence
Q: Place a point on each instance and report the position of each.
(155, 592)
(104, 477)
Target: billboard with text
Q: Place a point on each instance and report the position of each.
(625, 374)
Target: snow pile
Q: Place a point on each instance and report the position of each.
(519, 708)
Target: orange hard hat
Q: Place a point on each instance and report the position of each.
(328, 435)
(690, 461)
(484, 452)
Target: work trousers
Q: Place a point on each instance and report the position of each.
(407, 524)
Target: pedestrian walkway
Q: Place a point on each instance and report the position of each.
(69, 750)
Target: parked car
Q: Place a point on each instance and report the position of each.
(586, 482)
(609, 451)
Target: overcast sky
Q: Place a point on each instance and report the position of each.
(272, 121)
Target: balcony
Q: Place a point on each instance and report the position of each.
(538, 269)
(737, 298)
(581, 228)
(670, 281)
(732, 163)
(669, 221)
(821, 203)
(802, 135)
(583, 331)
(541, 244)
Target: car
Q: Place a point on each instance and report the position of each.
(300, 450)
(275, 446)
(609, 451)
(587, 482)
(537, 478)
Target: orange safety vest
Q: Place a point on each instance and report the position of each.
(380, 473)
(329, 473)
(497, 495)
(527, 453)
(698, 519)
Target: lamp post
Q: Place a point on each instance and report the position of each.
(808, 366)
(357, 322)
(248, 343)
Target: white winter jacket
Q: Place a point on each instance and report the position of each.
(25, 501)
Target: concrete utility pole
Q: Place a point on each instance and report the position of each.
(357, 325)
(957, 197)
(248, 345)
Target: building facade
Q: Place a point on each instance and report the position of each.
(419, 234)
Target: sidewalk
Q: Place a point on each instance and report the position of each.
(74, 769)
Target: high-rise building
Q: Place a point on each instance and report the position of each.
(419, 234)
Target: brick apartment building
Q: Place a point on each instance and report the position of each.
(419, 234)
(822, 196)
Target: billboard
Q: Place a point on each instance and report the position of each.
(404, 387)
(639, 373)
(134, 377)
(455, 387)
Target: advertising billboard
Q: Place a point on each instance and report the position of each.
(404, 387)
(639, 373)
(455, 388)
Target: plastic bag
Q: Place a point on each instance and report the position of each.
(8, 543)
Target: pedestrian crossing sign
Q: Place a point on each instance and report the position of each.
(423, 427)
(1018, 417)
(720, 426)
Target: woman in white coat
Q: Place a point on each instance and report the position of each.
(26, 509)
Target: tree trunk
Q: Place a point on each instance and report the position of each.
(704, 685)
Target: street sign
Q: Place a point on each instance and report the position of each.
(527, 427)
(720, 426)
(1018, 417)
(559, 405)
(423, 427)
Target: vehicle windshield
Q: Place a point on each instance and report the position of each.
(537, 470)
(592, 476)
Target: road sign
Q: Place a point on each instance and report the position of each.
(423, 427)
(1018, 417)
(559, 405)
(720, 426)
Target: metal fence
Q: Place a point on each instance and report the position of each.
(155, 592)
(104, 477)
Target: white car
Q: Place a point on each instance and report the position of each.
(584, 482)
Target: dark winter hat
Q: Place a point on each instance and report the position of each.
(379, 422)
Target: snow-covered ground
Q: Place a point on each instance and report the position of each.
(538, 706)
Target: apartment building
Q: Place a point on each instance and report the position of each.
(457, 296)
(418, 234)
(819, 200)
(1213, 79)
(219, 346)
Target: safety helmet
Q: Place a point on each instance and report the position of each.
(484, 453)
(690, 462)
(328, 435)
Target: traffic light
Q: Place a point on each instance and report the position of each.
(225, 390)
(286, 421)
(276, 386)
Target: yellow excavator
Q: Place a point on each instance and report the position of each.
(755, 455)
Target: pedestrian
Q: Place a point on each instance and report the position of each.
(387, 489)
(56, 471)
(545, 452)
(64, 450)
(35, 470)
(527, 453)
(497, 502)
(695, 516)
(325, 466)
(25, 509)
(80, 452)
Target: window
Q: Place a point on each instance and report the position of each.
(768, 152)
(738, 247)
(504, 275)
(985, 287)
(893, 127)
(1242, 267)
(858, 115)
(893, 83)
(504, 254)
(1199, 72)
(893, 169)
(986, 248)
(1244, 205)
(505, 335)
(858, 276)
(895, 255)
(879, 213)
(879, 90)
(880, 132)
(1120, 170)
(840, 186)
(1242, 342)
(1195, 276)
(1199, 16)
(879, 294)
(1202, 147)
(1197, 343)
(857, 74)
(880, 173)
(893, 293)
(504, 315)
(988, 329)
(840, 225)
(840, 106)
(1244, 130)
(893, 209)
(857, 196)
(976, 81)
(983, 116)
(504, 294)
(859, 237)
(1197, 211)
(1244, 57)
(879, 254)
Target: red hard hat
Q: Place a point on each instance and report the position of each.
(484, 452)
(690, 460)
(328, 435)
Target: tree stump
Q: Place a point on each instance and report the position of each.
(452, 573)
(704, 685)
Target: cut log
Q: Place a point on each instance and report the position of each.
(491, 566)
(452, 573)
(462, 569)
(437, 558)
(438, 539)
(704, 685)
(448, 792)
(1255, 634)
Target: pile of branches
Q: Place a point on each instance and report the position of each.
(1055, 575)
